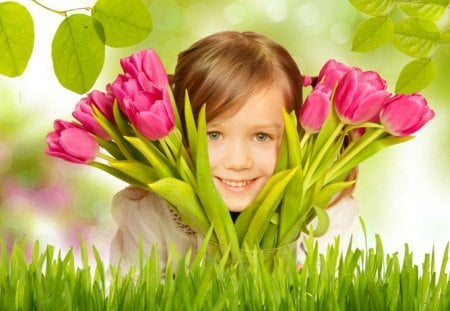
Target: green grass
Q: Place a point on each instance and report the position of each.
(356, 280)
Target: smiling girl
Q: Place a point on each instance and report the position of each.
(245, 79)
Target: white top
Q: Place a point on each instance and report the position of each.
(143, 215)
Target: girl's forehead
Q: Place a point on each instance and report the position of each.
(266, 104)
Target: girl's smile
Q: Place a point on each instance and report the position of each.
(243, 147)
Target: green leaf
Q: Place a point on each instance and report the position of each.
(445, 37)
(373, 7)
(265, 211)
(154, 156)
(137, 170)
(416, 37)
(372, 34)
(416, 75)
(184, 199)
(78, 52)
(268, 195)
(323, 222)
(212, 201)
(427, 9)
(16, 38)
(126, 22)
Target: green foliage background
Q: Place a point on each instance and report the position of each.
(403, 192)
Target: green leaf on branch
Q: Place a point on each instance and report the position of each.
(16, 38)
(125, 22)
(372, 34)
(416, 37)
(78, 52)
(427, 9)
(416, 75)
(373, 7)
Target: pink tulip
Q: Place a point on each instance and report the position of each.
(332, 72)
(143, 96)
(151, 114)
(146, 67)
(359, 96)
(316, 108)
(85, 115)
(403, 115)
(71, 143)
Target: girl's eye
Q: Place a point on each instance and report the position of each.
(262, 137)
(214, 135)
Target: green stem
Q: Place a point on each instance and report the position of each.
(60, 12)
(352, 153)
(322, 152)
(106, 157)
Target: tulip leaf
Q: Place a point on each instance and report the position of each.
(373, 7)
(427, 9)
(268, 193)
(327, 192)
(78, 52)
(416, 75)
(445, 37)
(143, 173)
(416, 37)
(125, 22)
(323, 222)
(16, 38)
(265, 211)
(159, 162)
(212, 201)
(117, 173)
(191, 128)
(292, 198)
(372, 34)
(182, 196)
(365, 153)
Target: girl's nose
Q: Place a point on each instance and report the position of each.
(238, 157)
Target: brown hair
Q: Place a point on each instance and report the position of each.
(224, 69)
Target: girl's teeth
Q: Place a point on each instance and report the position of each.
(235, 183)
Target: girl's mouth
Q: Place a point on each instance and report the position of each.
(236, 185)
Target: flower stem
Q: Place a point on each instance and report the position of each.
(106, 157)
(60, 12)
(352, 153)
(322, 152)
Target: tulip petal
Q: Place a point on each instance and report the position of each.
(78, 143)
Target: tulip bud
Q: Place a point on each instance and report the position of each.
(359, 96)
(71, 143)
(403, 115)
(332, 72)
(315, 109)
(85, 115)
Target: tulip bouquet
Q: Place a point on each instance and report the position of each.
(133, 131)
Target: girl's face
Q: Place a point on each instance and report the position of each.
(243, 148)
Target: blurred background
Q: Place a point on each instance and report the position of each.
(404, 191)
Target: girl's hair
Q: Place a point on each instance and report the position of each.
(224, 69)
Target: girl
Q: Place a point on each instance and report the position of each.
(245, 79)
